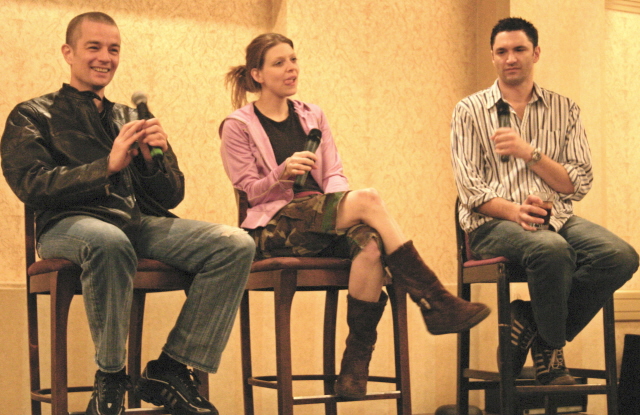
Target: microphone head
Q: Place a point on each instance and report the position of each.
(315, 134)
(139, 98)
(503, 107)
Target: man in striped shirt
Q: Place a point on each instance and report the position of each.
(540, 145)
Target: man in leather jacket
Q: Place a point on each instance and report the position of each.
(102, 201)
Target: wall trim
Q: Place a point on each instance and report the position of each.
(13, 286)
(627, 305)
(629, 6)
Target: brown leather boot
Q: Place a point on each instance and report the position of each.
(362, 318)
(442, 312)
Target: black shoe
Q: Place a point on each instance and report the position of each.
(550, 367)
(523, 333)
(174, 388)
(108, 393)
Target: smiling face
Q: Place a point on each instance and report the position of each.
(94, 56)
(514, 56)
(278, 76)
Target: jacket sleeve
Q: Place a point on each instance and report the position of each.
(244, 165)
(37, 176)
(332, 178)
(164, 186)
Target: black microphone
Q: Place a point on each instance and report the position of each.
(139, 99)
(504, 120)
(313, 141)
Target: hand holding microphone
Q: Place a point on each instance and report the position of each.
(504, 120)
(313, 141)
(139, 99)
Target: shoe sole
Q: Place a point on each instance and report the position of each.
(151, 391)
(562, 380)
(464, 326)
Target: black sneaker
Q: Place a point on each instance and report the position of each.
(108, 393)
(176, 389)
(550, 367)
(523, 332)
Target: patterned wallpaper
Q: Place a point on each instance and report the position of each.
(388, 86)
(387, 73)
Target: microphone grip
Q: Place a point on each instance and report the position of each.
(504, 120)
(144, 114)
(301, 180)
(312, 144)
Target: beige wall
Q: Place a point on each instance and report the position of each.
(387, 74)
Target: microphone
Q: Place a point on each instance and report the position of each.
(313, 141)
(504, 120)
(139, 99)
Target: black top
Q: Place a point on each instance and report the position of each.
(287, 137)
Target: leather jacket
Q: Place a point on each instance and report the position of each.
(55, 154)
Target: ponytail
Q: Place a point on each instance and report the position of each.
(240, 82)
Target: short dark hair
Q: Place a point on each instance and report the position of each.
(512, 24)
(73, 29)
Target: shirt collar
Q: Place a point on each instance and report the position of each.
(495, 95)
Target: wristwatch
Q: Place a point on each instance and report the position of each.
(536, 155)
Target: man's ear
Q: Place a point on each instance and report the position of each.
(67, 52)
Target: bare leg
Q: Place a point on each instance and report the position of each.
(442, 312)
(367, 275)
(366, 206)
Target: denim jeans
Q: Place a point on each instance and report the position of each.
(219, 255)
(570, 273)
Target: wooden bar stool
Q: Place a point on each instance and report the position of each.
(60, 280)
(284, 276)
(502, 273)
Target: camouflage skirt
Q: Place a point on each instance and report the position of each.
(307, 227)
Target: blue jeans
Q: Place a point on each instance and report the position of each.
(570, 273)
(219, 255)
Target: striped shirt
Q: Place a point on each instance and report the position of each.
(551, 123)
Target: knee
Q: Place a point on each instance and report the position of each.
(367, 198)
(554, 250)
(240, 244)
(370, 252)
(625, 258)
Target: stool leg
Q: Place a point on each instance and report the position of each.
(34, 348)
(329, 348)
(398, 297)
(283, 296)
(135, 343)
(507, 381)
(203, 388)
(610, 357)
(550, 407)
(464, 350)
(61, 295)
(247, 371)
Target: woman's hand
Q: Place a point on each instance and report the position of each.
(299, 163)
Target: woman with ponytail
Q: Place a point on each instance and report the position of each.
(263, 152)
